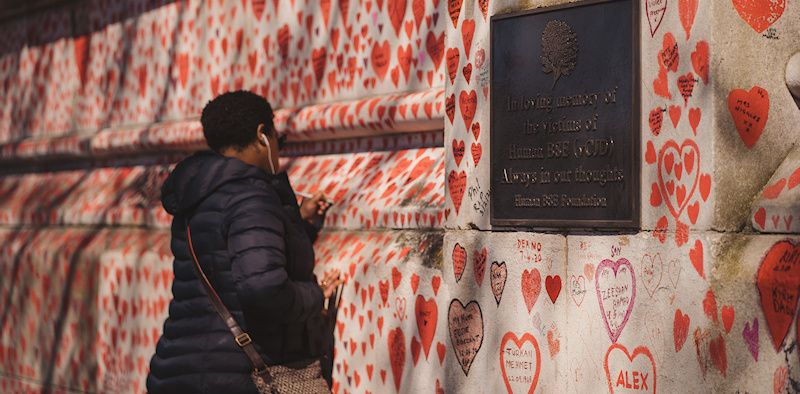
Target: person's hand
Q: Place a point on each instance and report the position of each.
(329, 282)
(313, 209)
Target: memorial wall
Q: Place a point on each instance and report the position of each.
(550, 196)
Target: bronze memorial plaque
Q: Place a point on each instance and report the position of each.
(565, 117)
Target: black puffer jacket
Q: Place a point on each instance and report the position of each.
(257, 252)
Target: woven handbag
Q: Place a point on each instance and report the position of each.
(304, 377)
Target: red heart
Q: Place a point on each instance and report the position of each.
(397, 355)
(710, 306)
(686, 86)
(705, 186)
(426, 312)
(694, 118)
(728, 314)
(414, 350)
(458, 151)
(531, 287)
(553, 285)
(760, 14)
(381, 56)
(404, 59)
(467, 102)
(700, 60)
(476, 131)
(397, 276)
(397, 13)
(477, 150)
(511, 346)
(440, 350)
(661, 85)
(718, 354)
(668, 56)
(454, 9)
(450, 107)
(760, 217)
(453, 58)
(467, 32)
(696, 257)
(675, 115)
(684, 189)
(656, 119)
(467, 71)
(680, 329)
(687, 10)
(459, 261)
(794, 179)
(778, 281)
(655, 195)
(650, 153)
(435, 46)
(479, 265)
(435, 282)
(750, 111)
(414, 283)
(773, 191)
(457, 183)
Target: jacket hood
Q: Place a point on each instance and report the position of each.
(199, 175)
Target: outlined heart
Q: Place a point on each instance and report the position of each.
(615, 283)
(652, 272)
(676, 177)
(517, 351)
(459, 261)
(577, 289)
(498, 276)
(619, 361)
(655, 10)
(465, 323)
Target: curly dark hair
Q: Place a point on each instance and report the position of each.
(231, 119)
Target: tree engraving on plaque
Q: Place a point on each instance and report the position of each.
(559, 49)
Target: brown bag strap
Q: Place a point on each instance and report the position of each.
(242, 338)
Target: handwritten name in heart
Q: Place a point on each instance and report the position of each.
(466, 331)
(630, 372)
(750, 112)
(778, 282)
(615, 284)
(520, 362)
(499, 274)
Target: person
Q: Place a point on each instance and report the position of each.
(253, 242)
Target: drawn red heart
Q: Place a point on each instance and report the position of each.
(710, 306)
(694, 118)
(477, 151)
(774, 190)
(553, 285)
(81, 48)
(778, 281)
(397, 13)
(479, 265)
(427, 316)
(453, 58)
(650, 153)
(520, 365)
(680, 329)
(458, 151)
(415, 347)
(685, 184)
(450, 107)
(668, 56)
(397, 354)
(414, 283)
(467, 103)
(661, 85)
(655, 195)
(531, 287)
(467, 71)
(436, 281)
(465, 323)
(750, 111)
(794, 179)
(656, 119)
(760, 217)
(696, 257)
(457, 183)
(728, 314)
(467, 31)
(498, 275)
(687, 10)
(655, 10)
(476, 130)
(418, 10)
(318, 60)
(686, 86)
(459, 261)
(435, 46)
(454, 9)
(700, 60)
(705, 186)
(381, 56)
(397, 276)
(383, 288)
(675, 115)
(760, 14)
(404, 57)
(719, 354)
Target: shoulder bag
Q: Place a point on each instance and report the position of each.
(294, 378)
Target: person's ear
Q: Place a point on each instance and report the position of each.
(262, 136)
